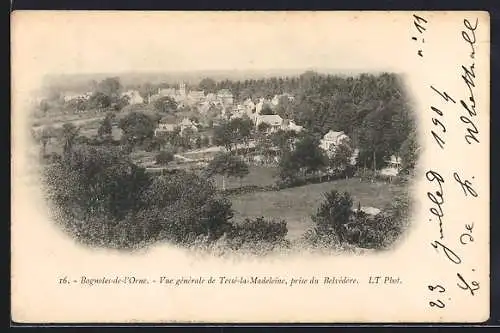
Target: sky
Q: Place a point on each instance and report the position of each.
(104, 42)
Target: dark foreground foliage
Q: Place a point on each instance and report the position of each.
(337, 223)
(103, 199)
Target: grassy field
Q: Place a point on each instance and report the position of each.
(92, 131)
(258, 176)
(296, 205)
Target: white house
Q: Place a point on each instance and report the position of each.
(225, 96)
(276, 100)
(164, 128)
(211, 97)
(289, 125)
(367, 210)
(186, 123)
(69, 96)
(354, 157)
(249, 105)
(394, 162)
(134, 97)
(274, 121)
(393, 166)
(196, 96)
(203, 107)
(332, 139)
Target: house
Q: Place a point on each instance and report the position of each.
(134, 97)
(249, 105)
(225, 96)
(196, 96)
(276, 100)
(289, 125)
(274, 121)
(371, 211)
(187, 124)
(239, 111)
(332, 139)
(203, 107)
(164, 128)
(393, 166)
(211, 97)
(394, 162)
(69, 96)
(291, 98)
(354, 157)
(166, 92)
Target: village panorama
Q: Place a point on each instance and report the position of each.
(311, 161)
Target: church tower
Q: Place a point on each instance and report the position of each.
(182, 89)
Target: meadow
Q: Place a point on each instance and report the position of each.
(296, 205)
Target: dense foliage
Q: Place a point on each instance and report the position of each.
(338, 224)
(103, 198)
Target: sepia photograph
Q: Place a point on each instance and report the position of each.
(234, 139)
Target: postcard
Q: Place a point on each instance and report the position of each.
(250, 167)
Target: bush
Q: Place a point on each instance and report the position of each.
(333, 214)
(164, 157)
(257, 232)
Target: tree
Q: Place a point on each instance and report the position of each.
(44, 136)
(283, 140)
(136, 127)
(308, 155)
(263, 127)
(165, 104)
(208, 85)
(288, 168)
(182, 206)
(99, 100)
(164, 157)
(121, 102)
(205, 141)
(340, 157)
(96, 180)
(78, 104)
(224, 136)
(266, 109)
(285, 108)
(373, 137)
(409, 153)
(110, 87)
(146, 91)
(188, 136)
(333, 214)
(105, 130)
(44, 106)
(68, 135)
(228, 165)
(264, 145)
(242, 130)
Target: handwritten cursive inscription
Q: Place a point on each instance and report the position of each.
(468, 76)
(466, 185)
(437, 198)
(452, 249)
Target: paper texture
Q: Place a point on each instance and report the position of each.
(419, 282)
